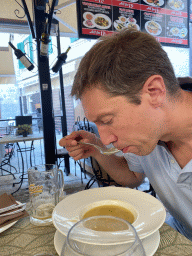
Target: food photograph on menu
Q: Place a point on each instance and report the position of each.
(156, 3)
(125, 18)
(99, 20)
(177, 5)
(153, 23)
(95, 18)
(177, 22)
(167, 20)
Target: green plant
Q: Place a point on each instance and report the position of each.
(25, 128)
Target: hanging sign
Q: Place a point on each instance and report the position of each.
(166, 20)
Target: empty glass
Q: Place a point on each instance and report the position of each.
(103, 236)
(46, 186)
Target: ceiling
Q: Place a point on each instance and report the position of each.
(10, 23)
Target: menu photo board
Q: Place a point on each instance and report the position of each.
(190, 10)
(166, 20)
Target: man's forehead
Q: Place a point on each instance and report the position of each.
(96, 99)
(98, 104)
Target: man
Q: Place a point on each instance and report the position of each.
(128, 88)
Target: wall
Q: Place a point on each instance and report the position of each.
(179, 58)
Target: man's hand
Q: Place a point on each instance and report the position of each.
(114, 165)
(79, 151)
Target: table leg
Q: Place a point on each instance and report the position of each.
(31, 153)
(67, 165)
(22, 175)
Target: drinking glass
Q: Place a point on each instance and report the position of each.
(103, 236)
(46, 184)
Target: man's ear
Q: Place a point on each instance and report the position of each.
(155, 91)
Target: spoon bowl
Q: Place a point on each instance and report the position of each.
(104, 151)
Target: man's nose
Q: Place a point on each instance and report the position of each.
(106, 136)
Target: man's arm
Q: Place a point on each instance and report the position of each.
(118, 170)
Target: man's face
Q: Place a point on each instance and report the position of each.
(129, 127)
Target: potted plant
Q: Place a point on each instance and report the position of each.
(24, 130)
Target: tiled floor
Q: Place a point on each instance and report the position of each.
(73, 183)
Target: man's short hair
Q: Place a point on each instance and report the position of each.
(121, 63)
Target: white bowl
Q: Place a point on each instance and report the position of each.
(150, 211)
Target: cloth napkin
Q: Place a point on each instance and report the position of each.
(8, 200)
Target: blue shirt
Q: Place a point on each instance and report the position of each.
(172, 184)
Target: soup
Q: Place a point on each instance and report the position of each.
(111, 210)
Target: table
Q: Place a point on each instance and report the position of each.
(25, 239)
(16, 139)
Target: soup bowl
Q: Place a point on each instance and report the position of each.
(148, 212)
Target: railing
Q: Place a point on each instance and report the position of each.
(6, 124)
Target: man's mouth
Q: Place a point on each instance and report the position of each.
(126, 149)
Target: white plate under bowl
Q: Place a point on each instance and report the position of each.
(150, 243)
(151, 212)
(10, 224)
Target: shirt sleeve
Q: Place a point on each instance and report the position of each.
(133, 162)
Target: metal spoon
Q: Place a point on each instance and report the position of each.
(104, 151)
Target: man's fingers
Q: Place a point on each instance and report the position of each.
(71, 148)
(79, 154)
(76, 150)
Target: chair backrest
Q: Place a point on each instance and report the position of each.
(101, 175)
(86, 126)
(9, 149)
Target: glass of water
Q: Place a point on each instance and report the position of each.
(103, 236)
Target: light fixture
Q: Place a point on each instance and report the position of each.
(61, 60)
(22, 57)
